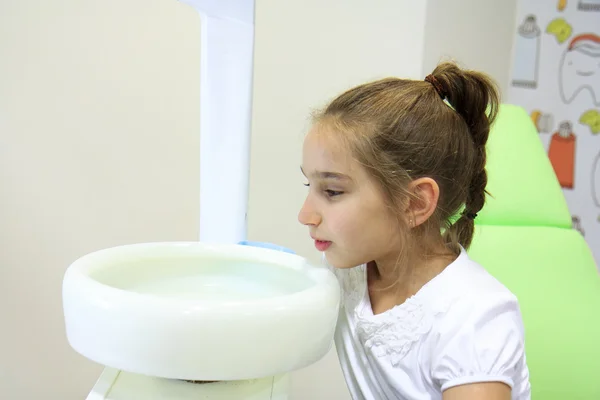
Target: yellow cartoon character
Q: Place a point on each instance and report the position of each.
(561, 5)
(591, 118)
(560, 29)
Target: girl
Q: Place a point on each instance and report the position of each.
(391, 164)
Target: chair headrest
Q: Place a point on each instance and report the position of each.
(523, 187)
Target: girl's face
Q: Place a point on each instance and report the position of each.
(345, 211)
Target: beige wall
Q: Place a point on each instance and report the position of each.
(478, 34)
(99, 108)
(305, 54)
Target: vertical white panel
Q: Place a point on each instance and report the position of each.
(225, 106)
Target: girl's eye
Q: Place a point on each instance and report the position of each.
(328, 192)
(333, 193)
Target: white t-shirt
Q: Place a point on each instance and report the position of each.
(462, 327)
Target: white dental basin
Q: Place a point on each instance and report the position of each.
(199, 311)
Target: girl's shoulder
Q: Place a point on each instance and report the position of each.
(470, 291)
(466, 280)
(480, 336)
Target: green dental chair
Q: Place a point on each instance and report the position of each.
(525, 239)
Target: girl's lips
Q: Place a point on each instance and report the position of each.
(322, 245)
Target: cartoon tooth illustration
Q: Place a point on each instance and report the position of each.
(580, 68)
(562, 154)
(591, 118)
(560, 29)
(589, 5)
(596, 180)
(543, 122)
(527, 54)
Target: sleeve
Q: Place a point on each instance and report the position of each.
(483, 341)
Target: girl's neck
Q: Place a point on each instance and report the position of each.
(391, 282)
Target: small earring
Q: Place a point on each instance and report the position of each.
(410, 222)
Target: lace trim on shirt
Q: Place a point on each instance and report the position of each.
(393, 333)
(398, 329)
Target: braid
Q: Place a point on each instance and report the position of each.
(471, 94)
(475, 200)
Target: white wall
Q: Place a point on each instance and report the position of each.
(98, 147)
(478, 34)
(305, 54)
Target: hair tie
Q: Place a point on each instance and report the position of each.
(469, 215)
(437, 85)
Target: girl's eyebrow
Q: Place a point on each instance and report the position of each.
(328, 175)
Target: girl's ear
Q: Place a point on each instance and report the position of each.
(425, 194)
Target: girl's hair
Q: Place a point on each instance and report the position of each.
(401, 130)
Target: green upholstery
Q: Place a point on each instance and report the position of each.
(524, 238)
(518, 168)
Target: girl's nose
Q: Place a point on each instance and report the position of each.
(308, 215)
